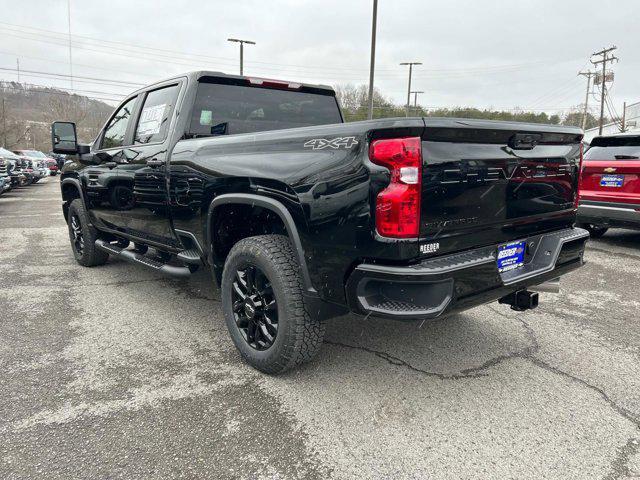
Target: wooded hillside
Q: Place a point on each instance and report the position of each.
(27, 111)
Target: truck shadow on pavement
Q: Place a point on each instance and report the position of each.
(451, 347)
(618, 238)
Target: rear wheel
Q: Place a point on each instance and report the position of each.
(83, 236)
(595, 231)
(264, 307)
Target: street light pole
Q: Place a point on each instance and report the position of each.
(373, 56)
(70, 55)
(411, 64)
(241, 42)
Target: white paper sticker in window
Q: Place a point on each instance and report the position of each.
(206, 117)
(151, 119)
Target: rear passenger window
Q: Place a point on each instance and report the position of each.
(156, 115)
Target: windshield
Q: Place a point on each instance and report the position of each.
(7, 154)
(231, 109)
(614, 148)
(35, 154)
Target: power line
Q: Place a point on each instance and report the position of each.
(172, 54)
(554, 93)
(612, 111)
(93, 67)
(115, 83)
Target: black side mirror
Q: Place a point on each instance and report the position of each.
(64, 138)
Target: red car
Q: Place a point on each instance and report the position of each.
(52, 165)
(610, 184)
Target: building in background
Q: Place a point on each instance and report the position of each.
(631, 124)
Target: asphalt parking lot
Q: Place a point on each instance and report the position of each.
(116, 372)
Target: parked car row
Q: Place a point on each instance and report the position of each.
(26, 167)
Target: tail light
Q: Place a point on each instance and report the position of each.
(579, 183)
(398, 205)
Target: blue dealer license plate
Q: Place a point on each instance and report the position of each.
(611, 180)
(511, 255)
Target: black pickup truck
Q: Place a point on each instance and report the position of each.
(302, 217)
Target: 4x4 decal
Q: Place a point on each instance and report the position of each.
(335, 143)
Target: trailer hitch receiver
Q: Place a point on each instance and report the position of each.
(521, 300)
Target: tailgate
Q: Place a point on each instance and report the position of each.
(611, 170)
(489, 182)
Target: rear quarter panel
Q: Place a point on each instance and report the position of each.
(321, 174)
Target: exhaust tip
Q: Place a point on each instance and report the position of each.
(551, 286)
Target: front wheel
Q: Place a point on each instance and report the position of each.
(83, 237)
(264, 307)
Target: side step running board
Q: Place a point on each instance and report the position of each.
(192, 257)
(133, 257)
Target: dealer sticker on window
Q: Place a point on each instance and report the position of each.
(511, 255)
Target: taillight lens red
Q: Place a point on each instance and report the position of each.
(398, 205)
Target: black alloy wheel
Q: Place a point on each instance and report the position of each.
(83, 236)
(264, 306)
(254, 307)
(77, 236)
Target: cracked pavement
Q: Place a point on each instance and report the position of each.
(117, 372)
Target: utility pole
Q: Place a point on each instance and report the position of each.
(241, 42)
(415, 99)
(70, 55)
(623, 127)
(372, 64)
(606, 58)
(411, 64)
(586, 98)
(4, 126)
(18, 68)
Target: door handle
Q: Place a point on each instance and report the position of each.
(154, 163)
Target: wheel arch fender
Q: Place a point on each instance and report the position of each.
(268, 203)
(71, 183)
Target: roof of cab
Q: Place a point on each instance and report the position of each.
(198, 74)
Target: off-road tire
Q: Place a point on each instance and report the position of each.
(90, 256)
(299, 336)
(595, 231)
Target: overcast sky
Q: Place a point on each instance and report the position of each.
(481, 53)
